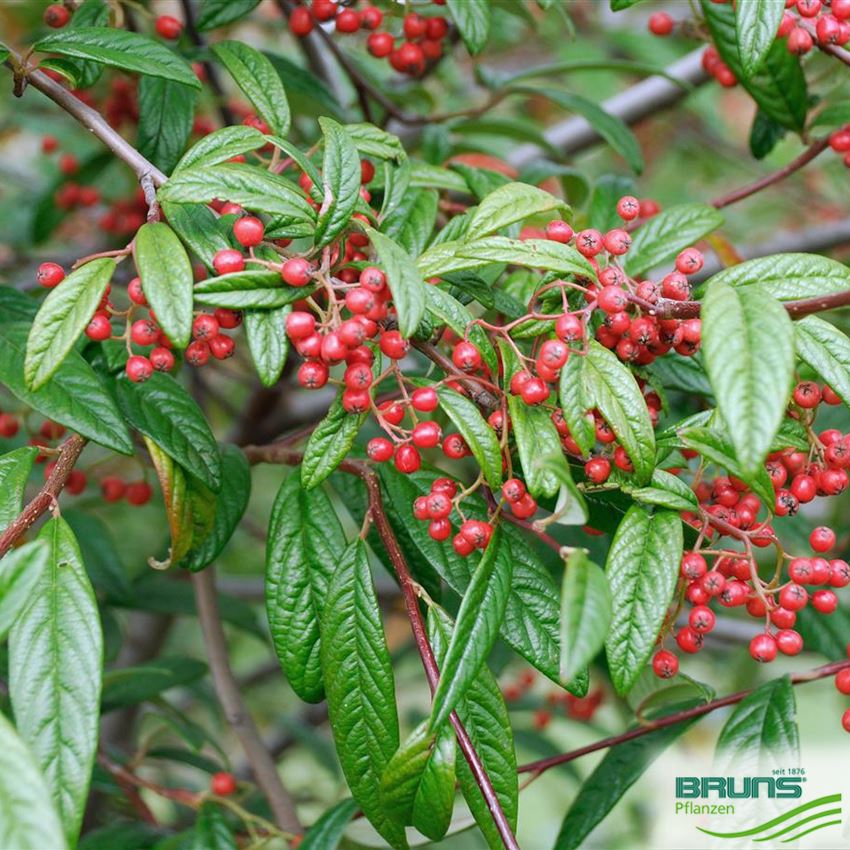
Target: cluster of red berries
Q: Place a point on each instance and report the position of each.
(436, 508)
(575, 708)
(421, 41)
(839, 141)
(810, 22)
(9, 425)
(114, 489)
(70, 194)
(842, 685)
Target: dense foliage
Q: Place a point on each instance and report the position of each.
(508, 414)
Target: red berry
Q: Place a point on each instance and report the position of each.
(372, 17)
(56, 16)
(612, 299)
(347, 20)
(559, 231)
(138, 368)
(161, 359)
(839, 573)
(763, 648)
(168, 27)
(300, 21)
(297, 272)
(228, 260)
(223, 784)
(380, 44)
(204, 326)
(249, 231)
(426, 435)
(807, 394)
(513, 490)
(628, 208)
(569, 328)
(525, 508)
(478, 533)
(845, 720)
(617, 242)
(789, 642)
(112, 488)
(822, 539)
(358, 377)
(665, 664)
(466, 357)
(800, 41)
(414, 26)
(462, 546)
(693, 566)
(424, 399)
(312, 374)
(138, 493)
(842, 681)
(135, 293)
(355, 401)
(379, 449)
(49, 275)
(702, 619)
(713, 582)
(373, 279)
(824, 601)
(689, 641)
(99, 328)
(439, 529)
(227, 319)
(454, 447)
(660, 23)
(793, 597)
(407, 459)
(221, 347)
(598, 469)
(300, 325)
(394, 345)
(9, 425)
(392, 412)
(783, 619)
(534, 391)
(589, 242)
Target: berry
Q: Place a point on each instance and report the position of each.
(589, 242)
(138, 368)
(525, 508)
(824, 601)
(297, 272)
(534, 391)
(665, 665)
(56, 16)
(197, 353)
(466, 357)
(702, 619)
(9, 425)
(689, 641)
(347, 20)
(660, 23)
(693, 566)
(394, 345)
(380, 44)
(439, 505)
(300, 325)
(300, 21)
(559, 231)
(793, 597)
(161, 359)
(842, 681)
(355, 401)
(168, 27)
(822, 539)
(462, 546)
(612, 299)
(392, 412)
(807, 394)
(454, 447)
(379, 449)
(49, 275)
(439, 529)
(839, 573)
(135, 293)
(407, 459)
(763, 648)
(569, 328)
(424, 399)
(713, 582)
(617, 242)
(799, 41)
(223, 784)
(221, 347)
(112, 488)
(426, 435)
(227, 261)
(99, 328)
(628, 208)
(845, 720)
(513, 490)
(789, 642)
(478, 533)
(358, 377)
(372, 17)
(138, 493)
(249, 231)
(312, 374)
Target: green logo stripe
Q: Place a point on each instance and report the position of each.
(823, 814)
(832, 798)
(813, 829)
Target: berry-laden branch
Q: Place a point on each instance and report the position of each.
(47, 496)
(235, 711)
(282, 453)
(541, 765)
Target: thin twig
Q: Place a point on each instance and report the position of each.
(235, 711)
(47, 496)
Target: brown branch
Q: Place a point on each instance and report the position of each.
(235, 711)
(127, 779)
(541, 765)
(480, 395)
(281, 453)
(47, 496)
(813, 150)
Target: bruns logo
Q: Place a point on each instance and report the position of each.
(738, 788)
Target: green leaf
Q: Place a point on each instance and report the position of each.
(305, 540)
(74, 396)
(259, 81)
(55, 668)
(28, 820)
(756, 24)
(479, 436)
(418, 785)
(199, 228)
(779, 88)
(250, 289)
(765, 135)
(166, 273)
(786, 277)
(485, 717)
(535, 436)
(477, 627)
(642, 570)
(610, 127)
(15, 468)
(63, 316)
(120, 49)
(20, 571)
(326, 832)
(662, 237)
(827, 350)
(621, 767)
(373, 141)
(125, 686)
(509, 204)
(576, 403)
(834, 115)
(340, 182)
(607, 190)
(412, 222)
(404, 280)
(265, 333)
(221, 145)
(359, 685)
(761, 733)
(230, 504)
(161, 409)
(585, 613)
(253, 188)
(825, 635)
(748, 346)
(665, 491)
(166, 110)
(613, 390)
(473, 22)
(212, 831)
(100, 555)
(218, 13)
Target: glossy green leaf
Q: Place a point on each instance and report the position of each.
(642, 571)
(359, 684)
(20, 572)
(404, 280)
(621, 767)
(665, 491)
(536, 437)
(765, 135)
(827, 350)
(218, 13)
(613, 390)
(199, 228)
(166, 110)
(477, 627)
(607, 190)
(230, 504)
(756, 23)
(779, 87)
(485, 717)
(748, 347)
(472, 18)
(253, 188)
(28, 819)
(340, 182)
(55, 669)
(326, 832)
(834, 115)
(125, 686)
(585, 613)
(15, 468)
(662, 237)
(576, 403)
(375, 142)
(252, 289)
(304, 542)
(74, 396)
(161, 409)
(265, 333)
(100, 554)
(418, 785)
(221, 145)
(167, 279)
(512, 203)
(212, 831)
(259, 81)
(63, 316)
(786, 277)
(120, 49)
(412, 223)
(479, 436)
(825, 635)
(761, 734)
